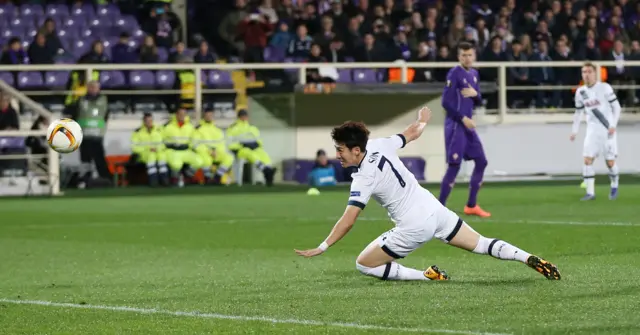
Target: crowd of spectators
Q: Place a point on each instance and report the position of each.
(328, 31)
(428, 31)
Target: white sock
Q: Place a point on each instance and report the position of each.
(589, 175)
(151, 168)
(613, 175)
(392, 271)
(500, 249)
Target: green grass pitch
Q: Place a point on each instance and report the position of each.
(224, 264)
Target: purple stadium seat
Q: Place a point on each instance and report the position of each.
(220, 79)
(67, 33)
(8, 33)
(138, 35)
(31, 33)
(54, 11)
(80, 47)
(30, 80)
(56, 79)
(100, 23)
(127, 23)
(142, 79)
(112, 79)
(134, 43)
(110, 12)
(22, 23)
(165, 79)
(74, 23)
(84, 11)
(25, 44)
(273, 54)
(67, 41)
(7, 77)
(364, 76)
(415, 165)
(7, 12)
(109, 42)
(344, 76)
(163, 55)
(31, 11)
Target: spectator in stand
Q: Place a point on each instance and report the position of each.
(253, 30)
(336, 52)
(402, 49)
(606, 44)
(440, 74)
(481, 34)
(300, 45)
(564, 76)
(14, 54)
(456, 32)
(339, 18)
(228, 28)
(51, 35)
(95, 55)
(309, 17)
(266, 9)
(285, 10)
(517, 76)
(148, 51)
(589, 51)
(161, 27)
(123, 52)
(426, 55)
(619, 74)
(315, 56)
(326, 34)
(204, 54)
(369, 51)
(282, 37)
(177, 53)
(543, 75)
(323, 173)
(38, 51)
(353, 36)
(8, 116)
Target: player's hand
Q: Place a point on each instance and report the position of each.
(572, 137)
(470, 124)
(469, 92)
(309, 253)
(612, 131)
(424, 115)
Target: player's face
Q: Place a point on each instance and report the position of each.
(346, 156)
(467, 57)
(588, 75)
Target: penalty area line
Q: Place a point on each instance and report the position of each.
(217, 316)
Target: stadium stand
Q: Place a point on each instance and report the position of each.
(327, 32)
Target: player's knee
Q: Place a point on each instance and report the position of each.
(365, 270)
(611, 163)
(481, 163)
(588, 160)
(454, 167)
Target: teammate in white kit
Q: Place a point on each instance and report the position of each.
(417, 214)
(598, 101)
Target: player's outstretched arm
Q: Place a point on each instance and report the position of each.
(415, 129)
(340, 229)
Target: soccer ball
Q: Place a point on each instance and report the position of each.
(64, 135)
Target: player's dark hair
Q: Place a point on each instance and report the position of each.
(464, 46)
(589, 64)
(352, 134)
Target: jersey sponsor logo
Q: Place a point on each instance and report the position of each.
(448, 83)
(592, 103)
(355, 194)
(475, 80)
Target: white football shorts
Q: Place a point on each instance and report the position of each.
(601, 145)
(400, 242)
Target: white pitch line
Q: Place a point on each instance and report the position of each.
(243, 318)
(550, 222)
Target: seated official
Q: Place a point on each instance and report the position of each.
(323, 173)
(246, 144)
(177, 135)
(210, 144)
(148, 148)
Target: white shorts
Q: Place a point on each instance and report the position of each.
(599, 145)
(398, 242)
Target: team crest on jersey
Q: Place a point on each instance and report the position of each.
(464, 80)
(455, 156)
(448, 83)
(584, 94)
(373, 157)
(475, 80)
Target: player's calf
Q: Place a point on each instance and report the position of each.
(395, 271)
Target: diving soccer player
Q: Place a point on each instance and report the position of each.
(461, 94)
(598, 101)
(417, 214)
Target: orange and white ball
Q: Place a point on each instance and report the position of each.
(64, 135)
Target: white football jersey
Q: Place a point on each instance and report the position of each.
(597, 103)
(382, 176)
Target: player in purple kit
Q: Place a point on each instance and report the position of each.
(461, 94)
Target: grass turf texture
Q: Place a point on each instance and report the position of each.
(233, 255)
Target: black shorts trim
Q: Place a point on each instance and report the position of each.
(404, 140)
(455, 230)
(390, 252)
(356, 203)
